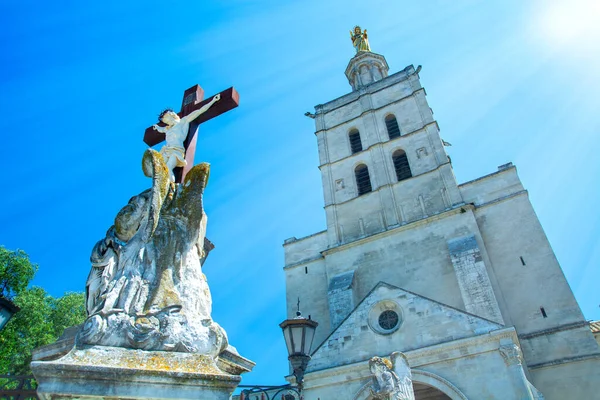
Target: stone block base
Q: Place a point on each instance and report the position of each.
(99, 372)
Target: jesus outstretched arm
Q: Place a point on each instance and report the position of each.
(194, 114)
(160, 129)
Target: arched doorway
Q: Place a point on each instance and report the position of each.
(424, 392)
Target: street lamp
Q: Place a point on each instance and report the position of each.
(299, 333)
(7, 310)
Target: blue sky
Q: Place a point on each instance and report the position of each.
(80, 81)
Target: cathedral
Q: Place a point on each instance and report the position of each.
(459, 277)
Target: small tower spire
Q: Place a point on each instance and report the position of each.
(365, 67)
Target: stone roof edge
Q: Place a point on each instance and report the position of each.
(511, 168)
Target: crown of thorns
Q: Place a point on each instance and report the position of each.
(162, 114)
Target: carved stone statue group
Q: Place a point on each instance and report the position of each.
(146, 289)
(392, 379)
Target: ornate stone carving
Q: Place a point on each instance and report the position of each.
(510, 353)
(392, 379)
(422, 152)
(146, 289)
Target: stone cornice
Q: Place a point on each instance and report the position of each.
(369, 89)
(410, 225)
(512, 168)
(294, 240)
(501, 199)
(564, 361)
(370, 110)
(460, 348)
(304, 262)
(417, 358)
(555, 329)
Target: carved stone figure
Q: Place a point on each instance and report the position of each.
(359, 39)
(146, 289)
(176, 132)
(392, 380)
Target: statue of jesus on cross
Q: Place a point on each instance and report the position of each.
(176, 132)
(180, 129)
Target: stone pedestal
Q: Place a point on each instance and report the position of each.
(101, 372)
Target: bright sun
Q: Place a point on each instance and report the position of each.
(570, 23)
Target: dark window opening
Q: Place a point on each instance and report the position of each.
(543, 312)
(392, 127)
(355, 143)
(388, 320)
(401, 165)
(363, 180)
(306, 270)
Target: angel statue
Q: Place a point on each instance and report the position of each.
(392, 379)
(359, 39)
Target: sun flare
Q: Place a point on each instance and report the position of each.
(571, 23)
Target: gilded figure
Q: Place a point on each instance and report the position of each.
(360, 39)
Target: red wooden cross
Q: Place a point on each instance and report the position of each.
(193, 100)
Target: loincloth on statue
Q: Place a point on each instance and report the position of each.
(176, 151)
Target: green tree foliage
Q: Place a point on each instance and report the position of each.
(40, 321)
(15, 272)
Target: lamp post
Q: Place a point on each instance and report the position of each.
(298, 334)
(7, 310)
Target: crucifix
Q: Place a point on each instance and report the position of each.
(192, 101)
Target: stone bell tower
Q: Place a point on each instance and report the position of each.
(371, 142)
(459, 277)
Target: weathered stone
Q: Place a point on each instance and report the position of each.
(149, 332)
(101, 372)
(146, 289)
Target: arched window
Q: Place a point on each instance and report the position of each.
(401, 165)
(363, 181)
(355, 143)
(392, 126)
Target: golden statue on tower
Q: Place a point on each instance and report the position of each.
(359, 39)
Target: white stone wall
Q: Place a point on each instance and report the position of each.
(573, 380)
(414, 256)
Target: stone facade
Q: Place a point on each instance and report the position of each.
(480, 305)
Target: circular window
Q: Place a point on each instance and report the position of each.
(388, 320)
(385, 317)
